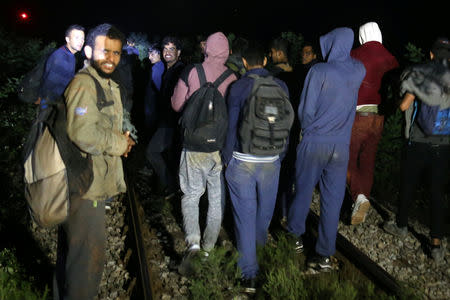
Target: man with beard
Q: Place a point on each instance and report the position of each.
(165, 140)
(97, 131)
(60, 67)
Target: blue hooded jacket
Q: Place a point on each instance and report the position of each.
(328, 101)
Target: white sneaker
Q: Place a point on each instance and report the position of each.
(360, 209)
(194, 247)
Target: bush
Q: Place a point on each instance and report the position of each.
(296, 41)
(17, 56)
(414, 54)
(216, 275)
(13, 284)
(388, 159)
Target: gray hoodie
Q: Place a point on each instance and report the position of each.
(430, 83)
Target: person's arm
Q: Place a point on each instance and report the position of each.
(58, 73)
(308, 98)
(179, 96)
(87, 127)
(157, 71)
(407, 100)
(234, 99)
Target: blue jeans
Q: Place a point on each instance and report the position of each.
(325, 164)
(253, 191)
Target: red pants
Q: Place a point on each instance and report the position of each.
(366, 134)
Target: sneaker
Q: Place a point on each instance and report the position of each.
(298, 245)
(360, 209)
(204, 254)
(169, 193)
(320, 263)
(108, 203)
(186, 268)
(392, 228)
(248, 285)
(438, 254)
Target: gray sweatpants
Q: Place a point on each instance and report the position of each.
(199, 170)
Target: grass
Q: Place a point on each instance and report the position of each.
(282, 275)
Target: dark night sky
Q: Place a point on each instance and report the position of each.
(399, 21)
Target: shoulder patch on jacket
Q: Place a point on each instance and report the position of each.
(81, 111)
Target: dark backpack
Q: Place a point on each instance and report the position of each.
(28, 89)
(267, 118)
(55, 171)
(205, 118)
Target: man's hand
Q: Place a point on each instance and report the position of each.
(407, 101)
(130, 142)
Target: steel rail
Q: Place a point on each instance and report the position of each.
(366, 265)
(144, 274)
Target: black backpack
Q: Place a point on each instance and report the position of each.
(205, 118)
(28, 89)
(267, 118)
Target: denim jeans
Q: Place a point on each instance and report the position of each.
(253, 191)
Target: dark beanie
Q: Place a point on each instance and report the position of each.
(441, 48)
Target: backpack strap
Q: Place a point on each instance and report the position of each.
(413, 119)
(102, 102)
(254, 77)
(185, 73)
(201, 74)
(222, 77)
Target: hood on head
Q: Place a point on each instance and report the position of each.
(217, 48)
(337, 44)
(369, 32)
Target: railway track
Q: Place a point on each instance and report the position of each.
(367, 266)
(143, 288)
(144, 282)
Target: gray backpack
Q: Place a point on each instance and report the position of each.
(267, 118)
(55, 170)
